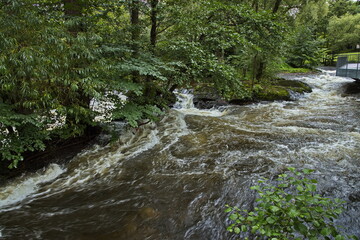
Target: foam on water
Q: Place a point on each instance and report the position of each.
(205, 113)
(185, 105)
(100, 163)
(23, 187)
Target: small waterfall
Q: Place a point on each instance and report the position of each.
(186, 106)
(184, 99)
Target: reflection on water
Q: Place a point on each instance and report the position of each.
(172, 180)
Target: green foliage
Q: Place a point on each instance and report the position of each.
(289, 209)
(285, 68)
(344, 32)
(340, 8)
(44, 67)
(20, 133)
(304, 49)
(134, 113)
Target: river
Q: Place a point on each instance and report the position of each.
(172, 180)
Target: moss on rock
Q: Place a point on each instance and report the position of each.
(273, 93)
(280, 89)
(294, 85)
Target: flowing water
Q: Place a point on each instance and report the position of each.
(171, 180)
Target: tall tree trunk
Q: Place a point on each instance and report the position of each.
(260, 70)
(153, 17)
(135, 25)
(256, 5)
(276, 6)
(135, 33)
(153, 31)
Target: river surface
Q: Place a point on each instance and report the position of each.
(172, 180)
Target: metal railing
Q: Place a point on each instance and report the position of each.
(348, 66)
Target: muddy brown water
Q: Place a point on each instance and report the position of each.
(172, 180)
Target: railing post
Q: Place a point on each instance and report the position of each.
(357, 67)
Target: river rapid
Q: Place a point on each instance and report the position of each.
(172, 180)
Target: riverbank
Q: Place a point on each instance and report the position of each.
(280, 89)
(57, 151)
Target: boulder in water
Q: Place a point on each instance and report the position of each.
(354, 197)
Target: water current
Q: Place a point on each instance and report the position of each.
(171, 180)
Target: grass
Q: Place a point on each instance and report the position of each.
(352, 56)
(348, 53)
(285, 68)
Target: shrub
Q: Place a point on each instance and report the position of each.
(289, 209)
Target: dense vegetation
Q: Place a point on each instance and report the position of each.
(58, 57)
(290, 208)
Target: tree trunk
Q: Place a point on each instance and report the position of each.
(135, 33)
(260, 70)
(135, 26)
(153, 17)
(276, 6)
(256, 5)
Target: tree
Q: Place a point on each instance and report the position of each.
(344, 32)
(154, 22)
(305, 49)
(340, 8)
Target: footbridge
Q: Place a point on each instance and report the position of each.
(348, 65)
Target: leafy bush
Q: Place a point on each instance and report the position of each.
(20, 133)
(289, 210)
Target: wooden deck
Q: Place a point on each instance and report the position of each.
(348, 66)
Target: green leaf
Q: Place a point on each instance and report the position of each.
(288, 197)
(311, 187)
(270, 220)
(228, 210)
(293, 213)
(291, 169)
(301, 228)
(339, 237)
(274, 208)
(233, 216)
(338, 210)
(325, 232)
(307, 171)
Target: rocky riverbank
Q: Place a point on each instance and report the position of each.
(279, 89)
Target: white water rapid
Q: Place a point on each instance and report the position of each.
(171, 180)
